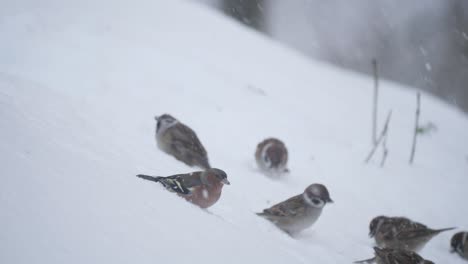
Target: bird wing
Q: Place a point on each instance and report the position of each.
(394, 256)
(409, 225)
(419, 233)
(188, 147)
(182, 183)
(396, 225)
(191, 180)
(405, 257)
(187, 138)
(407, 229)
(290, 207)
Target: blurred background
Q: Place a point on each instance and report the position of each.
(421, 43)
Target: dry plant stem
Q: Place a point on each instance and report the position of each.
(385, 150)
(381, 137)
(416, 126)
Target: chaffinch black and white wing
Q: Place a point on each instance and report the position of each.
(202, 188)
(179, 183)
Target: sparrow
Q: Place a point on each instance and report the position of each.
(459, 244)
(180, 141)
(272, 156)
(401, 233)
(299, 212)
(202, 188)
(395, 256)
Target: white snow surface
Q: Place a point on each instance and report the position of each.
(80, 82)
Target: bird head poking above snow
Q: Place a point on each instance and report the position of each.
(458, 242)
(164, 121)
(375, 225)
(317, 195)
(271, 156)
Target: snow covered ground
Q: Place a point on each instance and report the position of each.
(81, 81)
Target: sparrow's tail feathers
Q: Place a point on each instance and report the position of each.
(423, 232)
(443, 229)
(371, 260)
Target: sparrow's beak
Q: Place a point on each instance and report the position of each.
(371, 234)
(330, 200)
(225, 181)
(156, 118)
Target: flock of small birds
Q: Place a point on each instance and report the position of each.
(398, 239)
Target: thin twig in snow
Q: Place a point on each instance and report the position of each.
(416, 127)
(381, 137)
(385, 149)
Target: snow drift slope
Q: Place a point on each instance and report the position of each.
(80, 83)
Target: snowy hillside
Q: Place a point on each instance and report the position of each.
(81, 81)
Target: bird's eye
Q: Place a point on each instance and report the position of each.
(317, 202)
